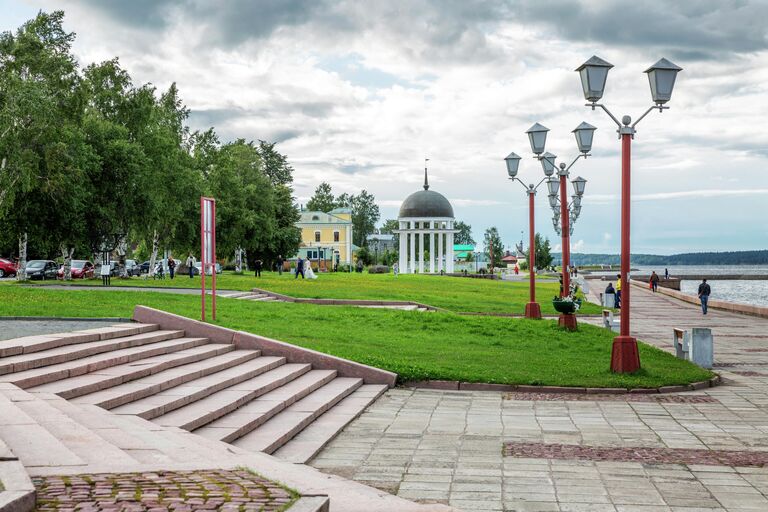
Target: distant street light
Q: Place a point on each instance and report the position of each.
(661, 77)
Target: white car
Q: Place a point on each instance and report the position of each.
(199, 264)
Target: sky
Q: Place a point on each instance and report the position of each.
(359, 93)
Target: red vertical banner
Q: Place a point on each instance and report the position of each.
(207, 251)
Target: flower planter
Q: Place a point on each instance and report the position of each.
(565, 306)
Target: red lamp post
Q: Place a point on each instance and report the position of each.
(532, 309)
(661, 77)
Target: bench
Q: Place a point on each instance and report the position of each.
(609, 322)
(696, 345)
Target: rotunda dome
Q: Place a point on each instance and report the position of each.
(426, 203)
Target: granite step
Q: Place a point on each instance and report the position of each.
(40, 342)
(285, 425)
(80, 440)
(201, 389)
(30, 441)
(213, 407)
(44, 375)
(22, 362)
(260, 410)
(113, 376)
(308, 443)
(146, 386)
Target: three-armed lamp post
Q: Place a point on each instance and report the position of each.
(532, 309)
(564, 212)
(661, 77)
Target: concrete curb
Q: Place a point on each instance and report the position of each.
(311, 504)
(454, 385)
(267, 346)
(66, 318)
(19, 494)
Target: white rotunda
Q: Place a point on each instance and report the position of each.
(426, 225)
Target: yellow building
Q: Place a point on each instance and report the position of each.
(326, 236)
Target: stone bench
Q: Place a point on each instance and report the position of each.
(696, 345)
(609, 322)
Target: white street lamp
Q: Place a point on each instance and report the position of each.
(661, 77)
(593, 74)
(513, 162)
(584, 134)
(537, 136)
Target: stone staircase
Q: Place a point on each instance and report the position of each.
(148, 376)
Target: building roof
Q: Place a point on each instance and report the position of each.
(463, 247)
(341, 210)
(426, 203)
(313, 217)
(382, 237)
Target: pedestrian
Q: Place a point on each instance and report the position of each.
(191, 265)
(299, 268)
(396, 268)
(704, 292)
(618, 291)
(666, 274)
(257, 268)
(279, 264)
(171, 266)
(517, 270)
(654, 281)
(575, 271)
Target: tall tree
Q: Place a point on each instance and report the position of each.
(543, 252)
(365, 214)
(464, 236)
(493, 245)
(323, 199)
(276, 165)
(41, 149)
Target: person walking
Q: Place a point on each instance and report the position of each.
(257, 268)
(666, 274)
(279, 264)
(654, 281)
(396, 268)
(618, 291)
(171, 266)
(191, 265)
(299, 268)
(704, 292)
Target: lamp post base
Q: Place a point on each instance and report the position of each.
(567, 321)
(533, 311)
(624, 355)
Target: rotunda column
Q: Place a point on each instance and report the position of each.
(421, 252)
(432, 247)
(402, 254)
(449, 258)
(440, 250)
(412, 240)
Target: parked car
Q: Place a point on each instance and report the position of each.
(113, 269)
(208, 271)
(42, 269)
(7, 268)
(81, 269)
(132, 267)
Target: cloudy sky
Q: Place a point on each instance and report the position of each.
(358, 93)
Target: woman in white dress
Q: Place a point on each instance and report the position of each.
(308, 272)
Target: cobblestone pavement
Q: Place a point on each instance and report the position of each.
(161, 491)
(448, 446)
(10, 329)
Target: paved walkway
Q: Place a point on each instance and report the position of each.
(489, 451)
(10, 329)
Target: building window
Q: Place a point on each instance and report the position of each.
(315, 217)
(317, 236)
(335, 236)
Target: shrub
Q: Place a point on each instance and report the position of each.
(378, 269)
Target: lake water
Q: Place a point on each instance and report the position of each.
(745, 292)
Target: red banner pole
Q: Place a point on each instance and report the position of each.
(213, 263)
(202, 258)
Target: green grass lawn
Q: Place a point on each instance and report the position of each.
(414, 345)
(452, 293)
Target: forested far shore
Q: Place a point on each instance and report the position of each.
(689, 258)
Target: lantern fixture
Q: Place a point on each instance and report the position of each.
(537, 136)
(593, 74)
(513, 163)
(552, 201)
(548, 163)
(584, 133)
(553, 185)
(661, 77)
(578, 185)
(576, 200)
